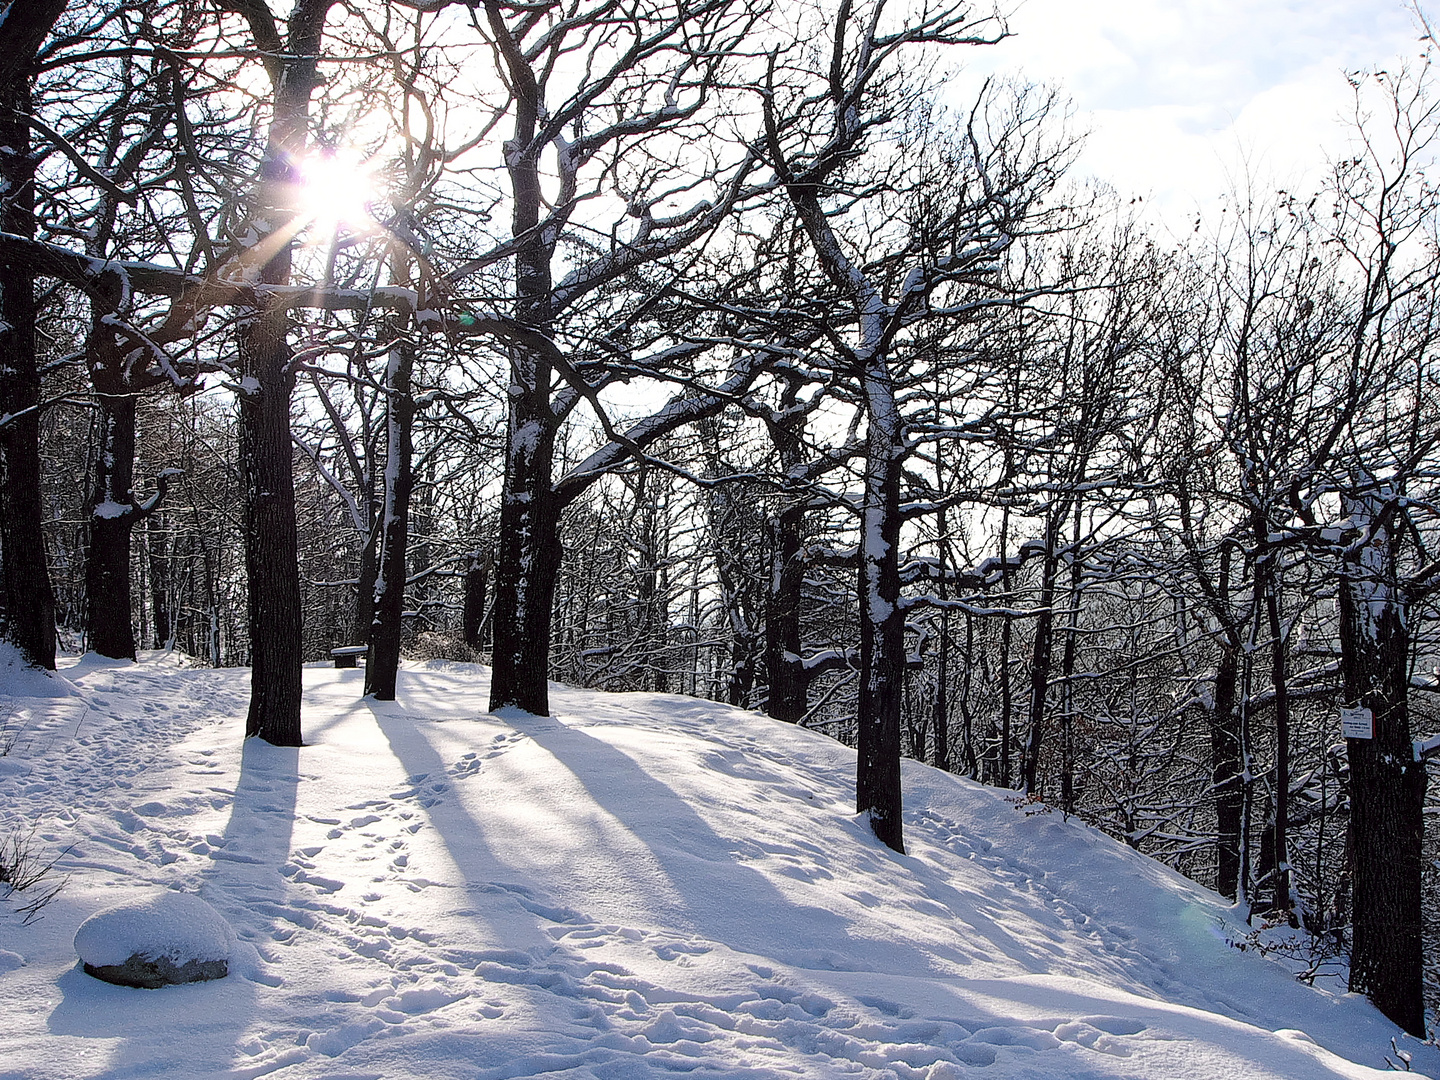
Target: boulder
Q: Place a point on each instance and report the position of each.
(160, 939)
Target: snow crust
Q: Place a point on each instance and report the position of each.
(635, 887)
(161, 924)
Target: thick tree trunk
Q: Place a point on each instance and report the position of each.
(382, 666)
(787, 683)
(527, 562)
(1387, 784)
(108, 628)
(882, 625)
(1225, 780)
(29, 617)
(267, 381)
(529, 555)
(363, 617)
(271, 543)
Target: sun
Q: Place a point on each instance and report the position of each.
(337, 190)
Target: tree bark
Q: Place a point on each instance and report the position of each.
(29, 602)
(267, 381)
(112, 516)
(787, 683)
(1387, 784)
(383, 665)
(162, 600)
(271, 543)
(529, 555)
(1041, 657)
(528, 560)
(1281, 899)
(473, 618)
(1225, 779)
(882, 622)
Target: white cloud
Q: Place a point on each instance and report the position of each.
(1184, 97)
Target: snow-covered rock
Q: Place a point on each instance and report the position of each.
(162, 939)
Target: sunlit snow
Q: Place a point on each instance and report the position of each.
(639, 886)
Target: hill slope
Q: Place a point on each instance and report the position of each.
(636, 887)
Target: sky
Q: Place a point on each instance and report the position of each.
(1183, 98)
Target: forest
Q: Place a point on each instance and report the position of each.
(726, 348)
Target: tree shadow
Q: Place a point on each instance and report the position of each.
(244, 877)
(714, 892)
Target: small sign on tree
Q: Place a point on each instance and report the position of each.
(1357, 723)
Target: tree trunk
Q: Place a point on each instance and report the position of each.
(942, 694)
(882, 623)
(1006, 630)
(383, 664)
(528, 560)
(271, 545)
(363, 618)
(1225, 780)
(162, 587)
(108, 628)
(272, 561)
(1041, 657)
(29, 622)
(1281, 899)
(1387, 784)
(473, 617)
(529, 555)
(787, 685)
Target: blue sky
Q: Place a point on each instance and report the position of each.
(1182, 97)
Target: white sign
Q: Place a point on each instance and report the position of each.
(1357, 723)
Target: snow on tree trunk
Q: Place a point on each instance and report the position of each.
(882, 622)
(1387, 784)
(527, 563)
(29, 601)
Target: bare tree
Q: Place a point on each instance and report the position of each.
(815, 137)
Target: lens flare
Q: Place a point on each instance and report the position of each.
(337, 189)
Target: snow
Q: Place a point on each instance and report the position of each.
(1425, 747)
(156, 923)
(637, 886)
(111, 509)
(18, 680)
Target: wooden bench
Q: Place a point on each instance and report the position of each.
(348, 655)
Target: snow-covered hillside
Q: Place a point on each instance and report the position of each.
(639, 886)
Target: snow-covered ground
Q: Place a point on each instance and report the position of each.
(639, 886)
